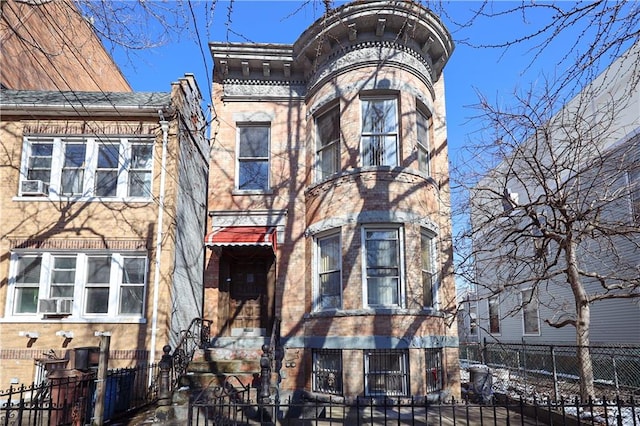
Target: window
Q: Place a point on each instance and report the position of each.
(329, 272)
(382, 266)
(39, 161)
(106, 182)
(327, 371)
(435, 372)
(87, 167)
(328, 143)
(27, 284)
(386, 372)
(379, 132)
(530, 317)
(473, 319)
(634, 185)
(73, 168)
(140, 172)
(424, 128)
(494, 314)
(253, 157)
(109, 284)
(429, 270)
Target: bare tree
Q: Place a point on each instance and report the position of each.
(554, 203)
(585, 37)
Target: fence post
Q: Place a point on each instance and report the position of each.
(265, 374)
(166, 362)
(555, 372)
(483, 349)
(165, 411)
(615, 375)
(101, 380)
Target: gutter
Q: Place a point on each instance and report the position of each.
(156, 279)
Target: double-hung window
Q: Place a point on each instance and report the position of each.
(424, 128)
(73, 167)
(494, 314)
(530, 314)
(430, 282)
(379, 141)
(106, 181)
(382, 266)
(327, 371)
(329, 260)
(386, 372)
(253, 157)
(38, 167)
(108, 168)
(328, 143)
(140, 171)
(78, 284)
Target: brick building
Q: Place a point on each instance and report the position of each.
(49, 45)
(329, 204)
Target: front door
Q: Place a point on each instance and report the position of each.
(248, 296)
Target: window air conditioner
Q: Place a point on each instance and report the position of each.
(55, 306)
(34, 187)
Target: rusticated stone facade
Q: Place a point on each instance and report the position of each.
(360, 276)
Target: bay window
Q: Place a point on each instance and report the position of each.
(329, 273)
(430, 283)
(423, 144)
(328, 143)
(379, 138)
(382, 266)
(386, 372)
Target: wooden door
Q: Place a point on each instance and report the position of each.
(248, 294)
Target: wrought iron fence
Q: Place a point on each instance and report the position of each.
(221, 410)
(69, 396)
(552, 370)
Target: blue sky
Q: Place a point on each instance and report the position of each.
(494, 72)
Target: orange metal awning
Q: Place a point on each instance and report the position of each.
(242, 236)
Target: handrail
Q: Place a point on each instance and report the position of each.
(191, 339)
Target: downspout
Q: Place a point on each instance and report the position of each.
(164, 125)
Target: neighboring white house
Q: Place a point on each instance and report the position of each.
(581, 171)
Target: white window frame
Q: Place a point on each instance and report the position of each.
(115, 285)
(89, 167)
(423, 146)
(524, 298)
(331, 146)
(398, 229)
(318, 306)
(27, 155)
(370, 374)
(435, 269)
(394, 135)
(267, 185)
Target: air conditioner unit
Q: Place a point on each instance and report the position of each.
(55, 306)
(34, 187)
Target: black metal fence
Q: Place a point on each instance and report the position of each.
(552, 370)
(68, 397)
(500, 410)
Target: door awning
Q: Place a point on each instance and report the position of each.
(242, 236)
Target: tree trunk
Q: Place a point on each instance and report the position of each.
(583, 322)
